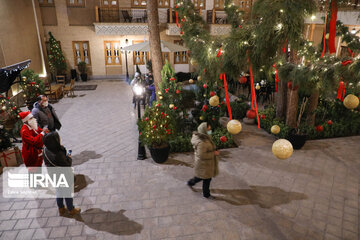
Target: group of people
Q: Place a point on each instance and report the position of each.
(148, 84)
(41, 142)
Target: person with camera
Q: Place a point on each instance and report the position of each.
(55, 155)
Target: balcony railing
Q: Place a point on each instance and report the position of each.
(347, 6)
(216, 17)
(113, 15)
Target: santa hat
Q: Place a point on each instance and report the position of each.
(25, 116)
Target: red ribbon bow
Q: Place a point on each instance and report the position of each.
(341, 91)
(219, 52)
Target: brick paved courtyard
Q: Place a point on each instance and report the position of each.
(313, 195)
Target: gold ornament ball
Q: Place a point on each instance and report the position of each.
(257, 87)
(161, 97)
(159, 92)
(191, 81)
(214, 101)
(351, 101)
(199, 78)
(275, 129)
(193, 62)
(201, 118)
(282, 149)
(234, 127)
(171, 105)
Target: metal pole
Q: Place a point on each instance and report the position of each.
(141, 148)
(127, 70)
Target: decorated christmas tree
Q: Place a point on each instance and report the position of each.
(57, 60)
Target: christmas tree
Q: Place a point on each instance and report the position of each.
(56, 57)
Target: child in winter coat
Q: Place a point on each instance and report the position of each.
(206, 158)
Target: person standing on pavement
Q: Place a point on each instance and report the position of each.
(32, 143)
(45, 114)
(206, 159)
(55, 155)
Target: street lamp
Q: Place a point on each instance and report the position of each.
(139, 90)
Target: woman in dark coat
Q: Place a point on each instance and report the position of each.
(55, 155)
(206, 158)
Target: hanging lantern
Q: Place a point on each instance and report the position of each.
(282, 149)
(275, 129)
(214, 101)
(251, 114)
(351, 101)
(234, 127)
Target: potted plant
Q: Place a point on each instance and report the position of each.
(156, 130)
(296, 137)
(82, 69)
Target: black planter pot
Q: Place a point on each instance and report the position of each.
(160, 155)
(297, 140)
(83, 76)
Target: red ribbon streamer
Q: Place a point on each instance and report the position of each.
(285, 45)
(177, 19)
(219, 52)
(324, 43)
(344, 63)
(253, 95)
(276, 76)
(341, 91)
(332, 33)
(223, 77)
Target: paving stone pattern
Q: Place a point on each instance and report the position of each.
(313, 195)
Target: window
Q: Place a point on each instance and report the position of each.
(142, 3)
(81, 51)
(180, 57)
(199, 4)
(112, 53)
(46, 3)
(109, 3)
(139, 58)
(219, 4)
(76, 3)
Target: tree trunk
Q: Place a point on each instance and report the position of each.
(155, 46)
(313, 103)
(281, 100)
(291, 111)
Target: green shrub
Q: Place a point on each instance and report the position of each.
(219, 132)
(239, 109)
(181, 144)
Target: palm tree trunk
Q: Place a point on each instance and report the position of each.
(281, 100)
(313, 103)
(155, 46)
(291, 111)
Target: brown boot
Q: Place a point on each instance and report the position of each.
(75, 211)
(62, 211)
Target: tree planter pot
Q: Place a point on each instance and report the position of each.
(297, 140)
(83, 77)
(160, 154)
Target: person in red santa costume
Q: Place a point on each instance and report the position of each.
(31, 136)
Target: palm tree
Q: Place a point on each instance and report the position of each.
(155, 46)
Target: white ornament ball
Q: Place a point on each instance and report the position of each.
(214, 101)
(282, 149)
(171, 106)
(159, 92)
(234, 127)
(161, 97)
(351, 101)
(275, 129)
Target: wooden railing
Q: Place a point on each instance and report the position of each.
(128, 15)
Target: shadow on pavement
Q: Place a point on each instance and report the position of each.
(81, 181)
(172, 161)
(265, 197)
(112, 222)
(84, 156)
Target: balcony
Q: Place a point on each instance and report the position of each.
(114, 15)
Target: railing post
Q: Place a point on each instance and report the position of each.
(213, 16)
(97, 13)
(171, 15)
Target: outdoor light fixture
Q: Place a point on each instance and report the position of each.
(139, 90)
(353, 31)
